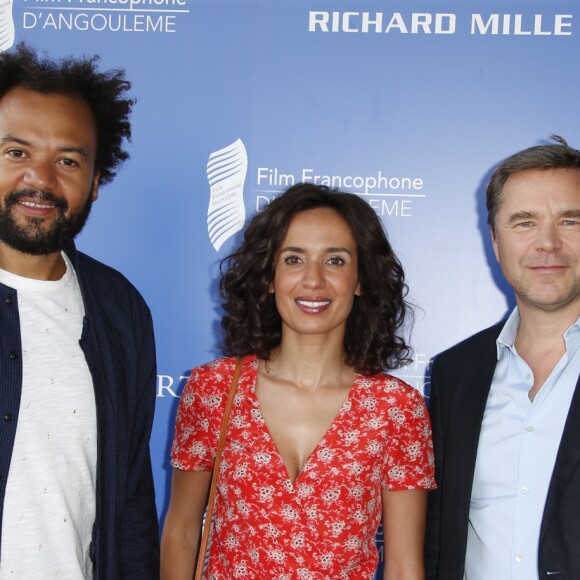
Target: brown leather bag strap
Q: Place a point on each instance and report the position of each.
(216, 471)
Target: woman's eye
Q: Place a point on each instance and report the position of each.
(291, 260)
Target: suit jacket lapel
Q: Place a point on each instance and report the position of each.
(463, 435)
(567, 460)
(470, 409)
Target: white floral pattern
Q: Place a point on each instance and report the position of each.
(323, 525)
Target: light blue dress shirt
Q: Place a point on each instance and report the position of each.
(517, 449)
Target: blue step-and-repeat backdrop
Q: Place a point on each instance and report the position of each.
(408, 103)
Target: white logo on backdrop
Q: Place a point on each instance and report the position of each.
(226, 174)
(124, 16)
(6, 25)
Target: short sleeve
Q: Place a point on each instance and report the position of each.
(199, 415)
(409, 460)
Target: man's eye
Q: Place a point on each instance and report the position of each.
(69, 162)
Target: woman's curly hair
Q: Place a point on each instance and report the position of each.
(373, 341)
(104, 93)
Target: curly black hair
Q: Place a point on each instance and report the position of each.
(104, 92)
(252, 325)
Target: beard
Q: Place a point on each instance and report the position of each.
(31, 238)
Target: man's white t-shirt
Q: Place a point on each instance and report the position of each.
(50, 502)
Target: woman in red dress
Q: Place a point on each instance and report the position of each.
(321, 443)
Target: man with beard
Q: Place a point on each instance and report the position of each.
(77, 358)
(505, 403)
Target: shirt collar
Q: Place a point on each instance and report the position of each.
(507, 336)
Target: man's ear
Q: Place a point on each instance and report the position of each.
(95, 186)
(494, 243)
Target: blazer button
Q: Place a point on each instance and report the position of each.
(13, 355)
(7, 416)
(9, 300)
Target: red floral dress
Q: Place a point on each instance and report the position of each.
(323, 525)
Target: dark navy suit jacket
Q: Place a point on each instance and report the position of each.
(460, 384)
(117, 340)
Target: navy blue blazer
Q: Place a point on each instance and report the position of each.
(460, 384)
(117, 340)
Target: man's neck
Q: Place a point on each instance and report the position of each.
(537, 324)
(46, 267)
(540, 340)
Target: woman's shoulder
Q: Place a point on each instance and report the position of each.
(215, 366)
(219, 369)
(209, 380)
(391, 388)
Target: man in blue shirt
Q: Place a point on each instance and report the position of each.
(505, 403)
(77, 355)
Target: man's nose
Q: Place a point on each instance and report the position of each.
(548, 238)
(40, 174)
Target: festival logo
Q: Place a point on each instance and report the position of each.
(6, 25)
(123, 16)
(226, 174)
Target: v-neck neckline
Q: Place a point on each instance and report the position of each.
(274, 448)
